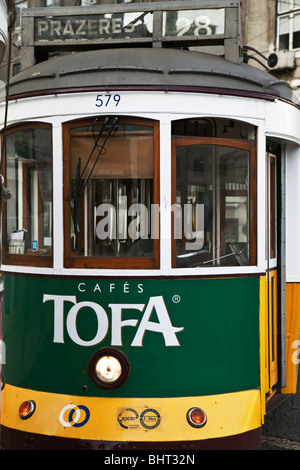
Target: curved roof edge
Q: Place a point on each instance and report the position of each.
(149, 67)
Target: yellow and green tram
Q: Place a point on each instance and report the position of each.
(150, 250)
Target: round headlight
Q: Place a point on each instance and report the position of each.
(109, 368)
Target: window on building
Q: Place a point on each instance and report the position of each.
(89, 2)
(53, 3)
(20, 4)
(16, 68)
(288, 15)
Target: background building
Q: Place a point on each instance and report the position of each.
(274, 26)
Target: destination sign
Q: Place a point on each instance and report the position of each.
(194, 22)
(132, 25)
(165, 24)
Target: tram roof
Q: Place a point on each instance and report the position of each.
(147, 68)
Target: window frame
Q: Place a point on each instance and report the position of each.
(249, 145)
(35, 260)
(93, 262)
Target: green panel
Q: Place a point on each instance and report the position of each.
(207, 338)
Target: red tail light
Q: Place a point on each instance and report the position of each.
(196, 417)
(27, 409)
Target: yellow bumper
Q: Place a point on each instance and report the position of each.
(131, 419)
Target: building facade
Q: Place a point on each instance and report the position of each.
(274, 26)
(6, 17)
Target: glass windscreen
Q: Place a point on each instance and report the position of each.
(29, 184)
(212, 206)
(112, 181)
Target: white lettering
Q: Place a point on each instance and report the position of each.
(155, 211)
(138, 228)
(188, 226)
(117, 25)
(295, 355)
(102, 323)
(192, 220)
(109, 221)
(55, 27)
(122, 222)
(80, 27)
(43, 26)
(92, 26)
(104, 26)
(162, 326)
(59, 301)
(129, 28)
(2, 353)
(68, 29)
(116, 460)
(117, 323)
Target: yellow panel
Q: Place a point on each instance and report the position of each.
(268, 332)
(273, 340)
(292, 333)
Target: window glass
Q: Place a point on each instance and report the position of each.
(112, 190)
(272, 209)
(288, 25)
(212, 205)
(286, 5)
(29, 184)
(283, 5)
(284, 23)
(296, 32)
(20, 4)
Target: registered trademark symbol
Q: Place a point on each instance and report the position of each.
(176, 299)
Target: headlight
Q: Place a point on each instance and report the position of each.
(109, 368)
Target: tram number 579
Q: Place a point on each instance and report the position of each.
(107, 100)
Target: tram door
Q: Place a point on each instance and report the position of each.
(271, 359)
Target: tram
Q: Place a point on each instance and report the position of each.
(150, 232)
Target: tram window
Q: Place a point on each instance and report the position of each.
(214, 199)
(28, 211)
(111, 187)
(272, 206)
